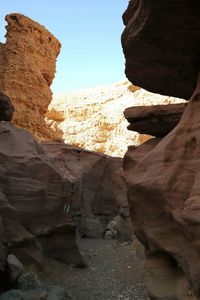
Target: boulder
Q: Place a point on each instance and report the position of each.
(54, 245)
(161, 45)
(29, 287)
(14, 269)
(90, 227)
(156, 120)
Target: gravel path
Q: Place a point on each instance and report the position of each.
(113, 272)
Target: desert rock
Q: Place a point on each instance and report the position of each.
(93, 118)
(33, 193)
(156, 120)
(162, 54)
(94, 190)
(163, 195)
(162, 174)
(27, 69)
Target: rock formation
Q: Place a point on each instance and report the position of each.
(162, 174)
(27, 68)
(33, 193)
(156, 120)
(94, 198)
(93, 118)
(161, 45)
(45, 191)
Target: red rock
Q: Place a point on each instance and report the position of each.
(163, 195)
(94, 173)
(27, 69)
(156, 120)
(33, 193)
(161, 45)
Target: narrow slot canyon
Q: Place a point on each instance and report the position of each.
(99, 189)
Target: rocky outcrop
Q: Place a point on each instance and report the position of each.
(162, 174)
(94, 197)
(6, 108)
(156, 120)
(27, 68)
(161, 45)
(163, 197)
(30, 287)
(33, 193)
(93, 118)
(47, 190)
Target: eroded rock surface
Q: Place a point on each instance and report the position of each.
(93, 119)
(33, 193)
(163, 174)
(156, 120)
(94, 194)
(163, 193)
(45, 191)
(27, 69)
(161, 45)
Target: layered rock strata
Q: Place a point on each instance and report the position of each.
(93, 118)
(156, 120)
(27, 69)
(161, 45)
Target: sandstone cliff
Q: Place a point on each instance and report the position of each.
(161, 46)
(93, 118)
(27, 68)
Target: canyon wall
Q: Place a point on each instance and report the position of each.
(47, 189)
(161, 46)
(27, 68)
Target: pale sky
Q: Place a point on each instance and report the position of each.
(89, 31)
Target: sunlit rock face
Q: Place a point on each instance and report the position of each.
(93, 118)
(161, 45)
(163, 173)
(27, 68)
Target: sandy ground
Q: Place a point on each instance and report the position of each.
(113, 272)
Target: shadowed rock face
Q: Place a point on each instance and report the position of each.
(156, 120)
(33, 193)
(164, 191)
(94, 193)
(43, 189)
(161, 43)
(6, 108)
(27, 68)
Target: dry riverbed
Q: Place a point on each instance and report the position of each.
(113, 272)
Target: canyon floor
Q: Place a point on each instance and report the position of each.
(113, 271)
